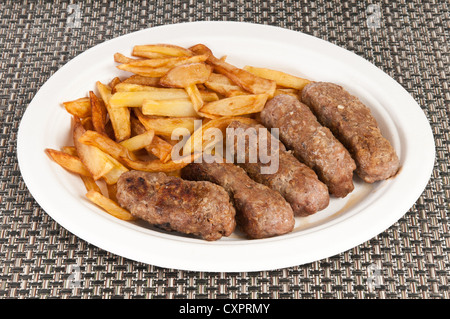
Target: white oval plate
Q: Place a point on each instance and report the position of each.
(346, 223)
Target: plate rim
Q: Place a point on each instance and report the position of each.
(174, 262)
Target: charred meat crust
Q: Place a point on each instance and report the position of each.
(201, 209)
(295, 181)
(260, 211)
(312, 143)
(354, 125)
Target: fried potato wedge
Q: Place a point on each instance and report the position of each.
(165, 125)
(187, 76)
(139, 141)
(137, 94)
(80, 107)
(105, 144)
(236, 105)
(99, 113)
(119, 117)
(120, 58)
(69, 150)
(202, 135)
(90, 184)
(156, 165)
(164, 62)
(281, 78)
(141, 80)
(87, 123)
(114, 174)
(293, 92)
(96, 161)
(109, 205)
(243, 78)
(67, 161)
(160, 50)
(159, 147)
(184, 75)
(112, 84)
(223, 85)
(173, 108)
(112, 191)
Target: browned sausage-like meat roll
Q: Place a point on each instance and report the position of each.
(298, 183)
(198, 208)
(260, 211)
(353, 124)
(312, 143)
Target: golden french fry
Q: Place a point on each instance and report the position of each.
(141, 80)
(236, 105)
(99, 114)
(69, 150)
(160, 50)
(132, 95)
(187, 76)
(184, 75)
(109, 205)
(159, 63)
(119, 117)
(120, 58)
(161, 93)
(106, 144)
(202, 136)
(157, 165)
(87, 123)
(90, 183)
(112, 84)
(67, 161)
(281, 78)
(195, 96)
(244, 79)
(112, 176)
(143, 70)
(136, 98)
(139, 141)
(174, 108)
(165, 125)
(96, 161)
(112, 191)
(80, 107)
(292, 92)
(159, 147)
(223, 85)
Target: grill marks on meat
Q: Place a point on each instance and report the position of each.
(260, 211)
(201, 209)
(353, 124)
(312, 143)
(295, 181)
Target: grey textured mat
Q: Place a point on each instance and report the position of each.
(40, 259)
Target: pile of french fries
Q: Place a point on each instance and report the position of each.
(127, 123)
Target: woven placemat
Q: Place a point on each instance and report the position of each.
(406, 39)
